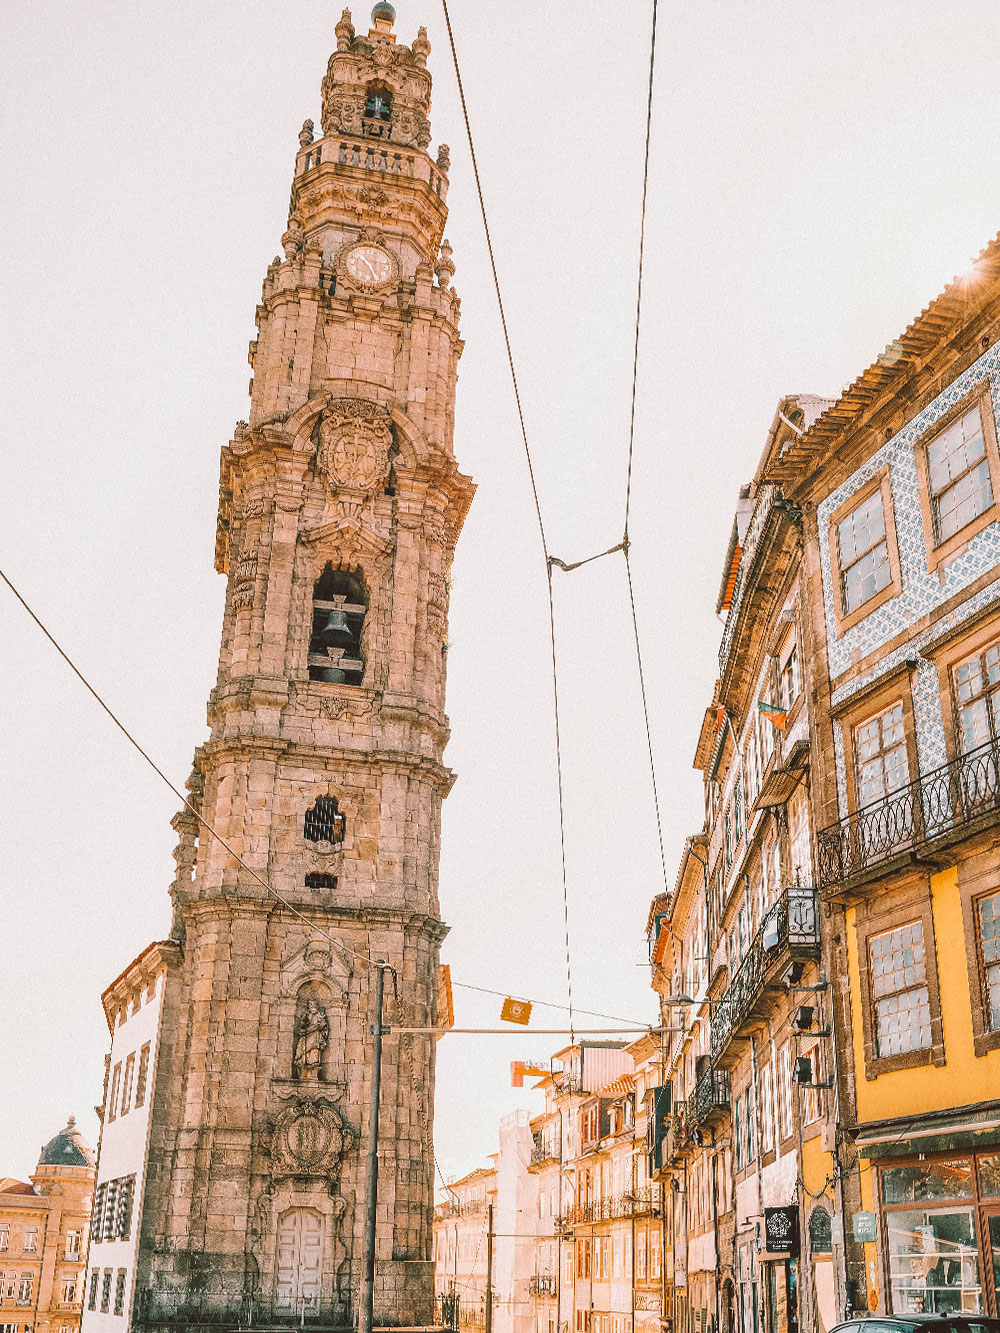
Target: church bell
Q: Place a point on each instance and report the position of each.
(336, 630)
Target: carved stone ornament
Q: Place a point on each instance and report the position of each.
(354, 444)
(310, 1138)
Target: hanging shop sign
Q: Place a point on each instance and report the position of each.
(781, 1230)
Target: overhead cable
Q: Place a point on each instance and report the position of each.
(534, 492)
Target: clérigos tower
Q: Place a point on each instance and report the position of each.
(340, 505)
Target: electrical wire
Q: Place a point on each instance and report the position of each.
(631, 448)
(534, 492)
(638, 285)
(272, 892)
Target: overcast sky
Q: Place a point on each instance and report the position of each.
(818, 173)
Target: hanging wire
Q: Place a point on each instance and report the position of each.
(534, 492)
(631, 448)
(638, 285)
(272, 892)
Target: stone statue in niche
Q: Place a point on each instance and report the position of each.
(312, 1036)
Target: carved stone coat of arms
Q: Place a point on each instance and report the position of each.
(354, 444)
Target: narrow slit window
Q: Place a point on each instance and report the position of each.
(339, 607)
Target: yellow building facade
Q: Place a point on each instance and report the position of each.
(44, 1226)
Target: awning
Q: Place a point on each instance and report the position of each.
(969, 1127)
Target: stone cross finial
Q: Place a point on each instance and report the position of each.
(306, 133)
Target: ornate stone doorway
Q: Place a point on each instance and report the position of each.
(299, 1262)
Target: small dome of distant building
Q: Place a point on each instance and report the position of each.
(68, 1148)
(383, 10)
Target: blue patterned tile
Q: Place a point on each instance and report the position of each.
(922, 590)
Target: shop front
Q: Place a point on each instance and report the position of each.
(940, 1217)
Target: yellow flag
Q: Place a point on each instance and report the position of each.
(516, 1011)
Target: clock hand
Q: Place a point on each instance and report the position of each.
(368, 266)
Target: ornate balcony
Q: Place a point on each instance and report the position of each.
(709, 1099)
(941, 804)
(789, 931)
(542, 1284)
(541, 1153)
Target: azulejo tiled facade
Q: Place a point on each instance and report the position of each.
(829, 958)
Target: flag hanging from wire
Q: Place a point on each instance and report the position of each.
(522, 1069)
(778, 717)
(516, 1011)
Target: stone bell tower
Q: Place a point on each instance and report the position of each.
(340, 505)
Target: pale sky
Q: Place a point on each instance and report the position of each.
(818, 173)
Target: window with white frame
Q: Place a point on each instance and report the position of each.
(68, 1290)
(900, 998)
(25, 1286)
(785, 1091)
(988, 943)
(863, 553)
(788, 677)
(766, 1109)
(977, 687)
(4, 1236)
(880, 755)
(30, 1242)
(74, 1240)
(958, 475)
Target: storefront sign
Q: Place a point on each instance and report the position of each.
(865, 1226)
(781, 1230)
(647, 1300)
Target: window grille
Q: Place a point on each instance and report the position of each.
(318, 881)
(324, 822)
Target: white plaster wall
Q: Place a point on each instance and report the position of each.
(124, 1143)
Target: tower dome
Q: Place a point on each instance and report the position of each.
(384, 11)
(68, 1148)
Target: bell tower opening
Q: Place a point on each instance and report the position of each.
(339, 606)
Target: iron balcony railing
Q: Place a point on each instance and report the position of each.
(544, 1152)
(791, 925)
(937, 803)
(711, 1093)
(642, 1203)
(542, 1284)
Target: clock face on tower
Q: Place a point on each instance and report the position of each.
(369, 265)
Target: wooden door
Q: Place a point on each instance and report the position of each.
(299, 1262)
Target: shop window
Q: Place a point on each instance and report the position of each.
(977, 690)
(863, 552)
(339, 607)
(899, 992)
